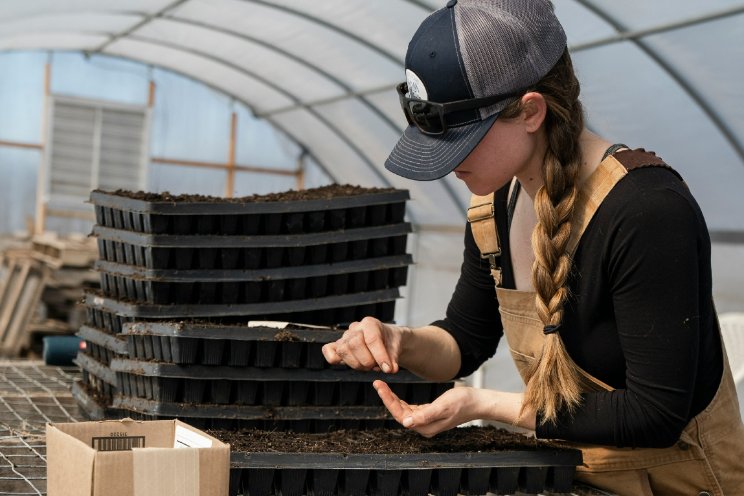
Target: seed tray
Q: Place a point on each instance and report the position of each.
(249, 412)
(93, 407)
(442, 474)
(101, 345)
(97, 385)
(189, 251)
(301, 425)
(229, 217)
(334, 374)
(268, 394)
(329, 310)
(256, 344)
(97, 374)
(232, 353)
(103, 319)
(252, 286)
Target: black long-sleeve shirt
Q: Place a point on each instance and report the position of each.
(640, 316)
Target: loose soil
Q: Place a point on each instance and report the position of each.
(285, 335)
(320, 193)
(380, 441)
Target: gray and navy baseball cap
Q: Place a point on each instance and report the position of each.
(472, 49)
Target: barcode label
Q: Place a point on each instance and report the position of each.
(117, 443)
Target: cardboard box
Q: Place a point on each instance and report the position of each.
(133, 458)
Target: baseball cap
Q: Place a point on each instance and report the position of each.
(471, 49)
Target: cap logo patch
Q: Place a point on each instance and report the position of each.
(416, 88)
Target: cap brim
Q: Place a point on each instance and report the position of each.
(422, 157)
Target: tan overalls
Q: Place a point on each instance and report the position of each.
(709, 457)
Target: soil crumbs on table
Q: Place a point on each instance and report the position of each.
(321, 193)
(379, 441)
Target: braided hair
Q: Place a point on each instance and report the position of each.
(553, 379)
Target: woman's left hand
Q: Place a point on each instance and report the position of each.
(454, 407)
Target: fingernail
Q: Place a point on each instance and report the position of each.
(408, 422)
(385, 367)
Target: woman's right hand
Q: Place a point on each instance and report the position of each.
(368, 345)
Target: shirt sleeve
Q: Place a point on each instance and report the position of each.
(473, 312)
(653, 269)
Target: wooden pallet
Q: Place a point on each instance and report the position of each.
(24, 275)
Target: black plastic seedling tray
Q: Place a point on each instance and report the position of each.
(101, 345)
(95, 390)
(167, 382)
(272, 414)
(442, 474)
(254, 216)
(329, 310)
(253, 344)
(193, 251)
(140, 409)
(91, 404)
(219, 286)
(101, 373)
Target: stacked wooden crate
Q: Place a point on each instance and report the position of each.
(41, 283)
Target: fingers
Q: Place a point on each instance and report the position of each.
(330, 354)
(428, 419)
(399, 409)
(373, 338)
(362, 347)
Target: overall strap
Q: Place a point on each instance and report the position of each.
(482, 219)
(640, 158)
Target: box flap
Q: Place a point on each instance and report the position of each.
(166, 472)
(69, 464)
(112, 473)
(214, 469)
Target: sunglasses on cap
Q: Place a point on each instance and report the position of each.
(428, 116)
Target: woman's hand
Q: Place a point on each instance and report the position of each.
(368, 345)
(454, 407)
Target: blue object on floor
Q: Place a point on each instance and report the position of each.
(60, 350)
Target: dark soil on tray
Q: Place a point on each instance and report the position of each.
(285, 335)
(380, 441)
(320, 193)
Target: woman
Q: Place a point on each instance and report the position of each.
(599, 254)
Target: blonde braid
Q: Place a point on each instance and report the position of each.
(553, 380)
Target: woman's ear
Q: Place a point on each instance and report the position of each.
(534, 109)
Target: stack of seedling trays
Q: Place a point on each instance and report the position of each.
(320, 256)
(325, 256)
(264, 375)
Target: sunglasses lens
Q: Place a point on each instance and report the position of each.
(426, 117)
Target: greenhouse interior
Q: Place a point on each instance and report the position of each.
(196, 205)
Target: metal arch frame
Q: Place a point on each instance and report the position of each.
(305, 150)
(161, 13)
(729, 136)
(348, 34)
(334, 129)
(375, 110)
(329, 26)
(146, 19)
(419, 3)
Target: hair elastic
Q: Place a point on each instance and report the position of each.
(550, 329)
